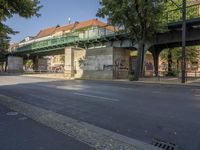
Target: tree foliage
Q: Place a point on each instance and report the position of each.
(174, 10)
(141, 19)
(23, 8)
(192, 53)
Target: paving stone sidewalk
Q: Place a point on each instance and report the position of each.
(18, 132)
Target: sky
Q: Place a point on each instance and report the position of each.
(54, 12)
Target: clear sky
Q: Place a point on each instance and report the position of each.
(54, 12)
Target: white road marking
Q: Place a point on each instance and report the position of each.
(156, 92)
(198, 95)
(39, 97)
(69, 88)
(99, 97)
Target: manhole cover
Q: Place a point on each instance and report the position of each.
(164, 145)
(12, 113)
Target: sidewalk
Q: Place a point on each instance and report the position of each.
(99, 138)
(18, 132)
(171, 81)
(154, 82)
(148, 81)
(46, 75)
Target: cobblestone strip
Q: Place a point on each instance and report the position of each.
(96, 137)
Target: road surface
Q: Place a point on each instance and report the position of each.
(142, 112)
(18, 132)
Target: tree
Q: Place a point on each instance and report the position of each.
(141, 19)
(24, 8)
(174, 11)
(174, 56)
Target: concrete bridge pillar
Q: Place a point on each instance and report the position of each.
(40, 63)
(69, 63)
(96, 63)
(15, 64)
(35, 63)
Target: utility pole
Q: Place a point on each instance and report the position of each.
(183, 66)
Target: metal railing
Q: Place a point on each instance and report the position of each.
(175, 76)
(71, 38)
(193, 12)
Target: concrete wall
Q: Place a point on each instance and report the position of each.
(42, 64)
(69, 63)
(97, 64)
(121, 63)
(15, 64)
(78, 56)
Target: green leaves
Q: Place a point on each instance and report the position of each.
(192, 53)
(144, 18)
(24, 8)
(140, 18)
(174, 10)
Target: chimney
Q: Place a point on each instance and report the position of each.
(69, 20)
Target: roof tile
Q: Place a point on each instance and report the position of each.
(74, 26)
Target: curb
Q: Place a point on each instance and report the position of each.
(99, 138)
(42, 76)
(162, 84)
(149, 83)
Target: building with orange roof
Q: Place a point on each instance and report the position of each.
(64, 30)
(93, 23)
(85, 29)
(12, 47)
(46, 32)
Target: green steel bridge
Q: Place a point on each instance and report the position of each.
(173, 19)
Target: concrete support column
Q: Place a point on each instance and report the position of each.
(156, 52)
(15, 64)
(39, 64)
(139, 69)
(35, 63)
(69, 62)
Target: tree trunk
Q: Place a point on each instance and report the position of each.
(177, 65)
(155, 53)
(6, 65)
(169, 62)
(140, 60)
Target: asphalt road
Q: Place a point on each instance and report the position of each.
(18, 132)
(142, 112)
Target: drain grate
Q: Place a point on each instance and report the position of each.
(164, 145)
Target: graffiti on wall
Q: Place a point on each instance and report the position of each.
(148, 66)
(97, 63)
(108, 67)
(121, 64)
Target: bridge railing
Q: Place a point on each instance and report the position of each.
(193, 11)
(73, 37)
(47, 43)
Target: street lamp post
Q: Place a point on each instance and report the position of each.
(183, 67)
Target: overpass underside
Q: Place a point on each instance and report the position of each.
(96, 63)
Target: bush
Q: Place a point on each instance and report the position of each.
(131, 77)
(171, 74)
